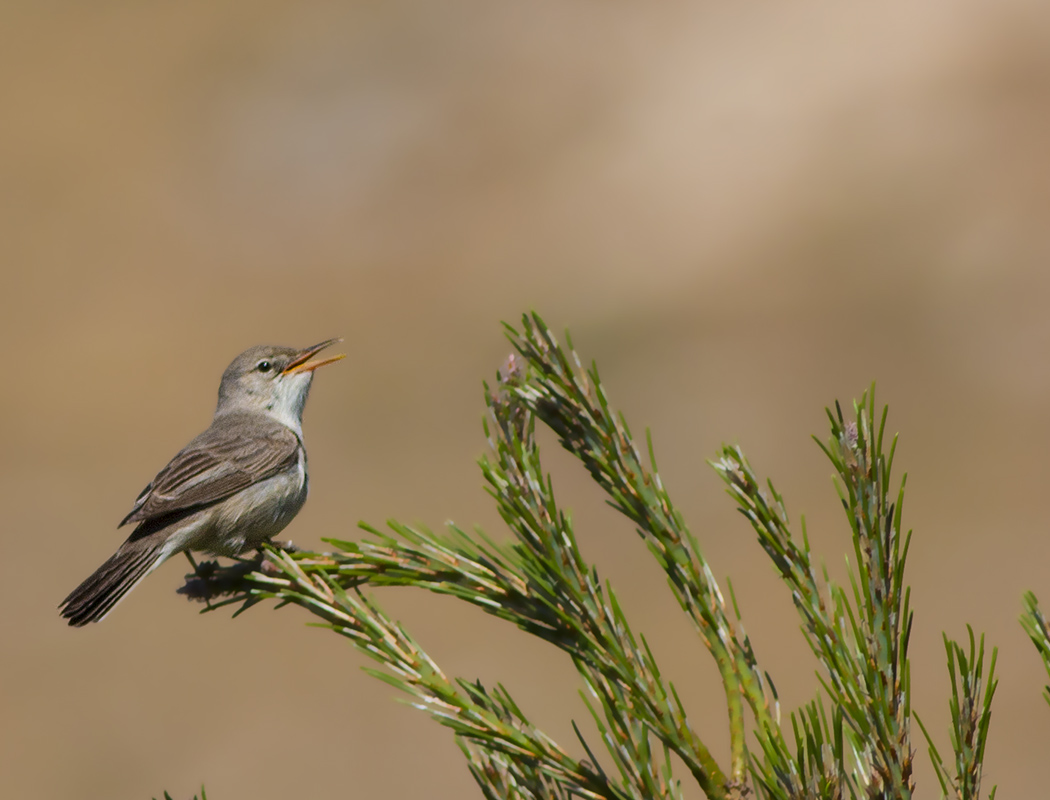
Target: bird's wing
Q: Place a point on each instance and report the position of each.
(235, 452)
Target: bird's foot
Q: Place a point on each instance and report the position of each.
(288, 546)
(203, 570)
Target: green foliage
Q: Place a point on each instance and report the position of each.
(1034, 624)
(971, 714)
(860, 637)
(853, 740)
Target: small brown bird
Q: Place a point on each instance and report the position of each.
(232, 488)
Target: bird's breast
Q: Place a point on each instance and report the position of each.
(258, 513)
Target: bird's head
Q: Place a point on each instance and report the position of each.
(272, 380)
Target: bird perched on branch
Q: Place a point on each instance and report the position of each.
(231, 489)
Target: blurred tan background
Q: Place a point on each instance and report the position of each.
(743, 212)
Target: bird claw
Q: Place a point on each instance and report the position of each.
(288, 546)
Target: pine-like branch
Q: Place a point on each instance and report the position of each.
(855, 743)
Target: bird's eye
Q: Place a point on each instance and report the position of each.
(264, 366)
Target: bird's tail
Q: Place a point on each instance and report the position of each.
(92, 600)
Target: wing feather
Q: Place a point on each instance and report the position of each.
(235, 452)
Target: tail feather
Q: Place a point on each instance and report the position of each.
(93, 599)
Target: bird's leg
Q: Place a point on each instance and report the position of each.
(204, 576)
(205, 569)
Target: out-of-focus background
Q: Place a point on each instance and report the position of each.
(742, 212)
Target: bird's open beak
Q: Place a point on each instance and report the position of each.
(302, 362)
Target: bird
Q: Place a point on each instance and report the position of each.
(232, 488)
